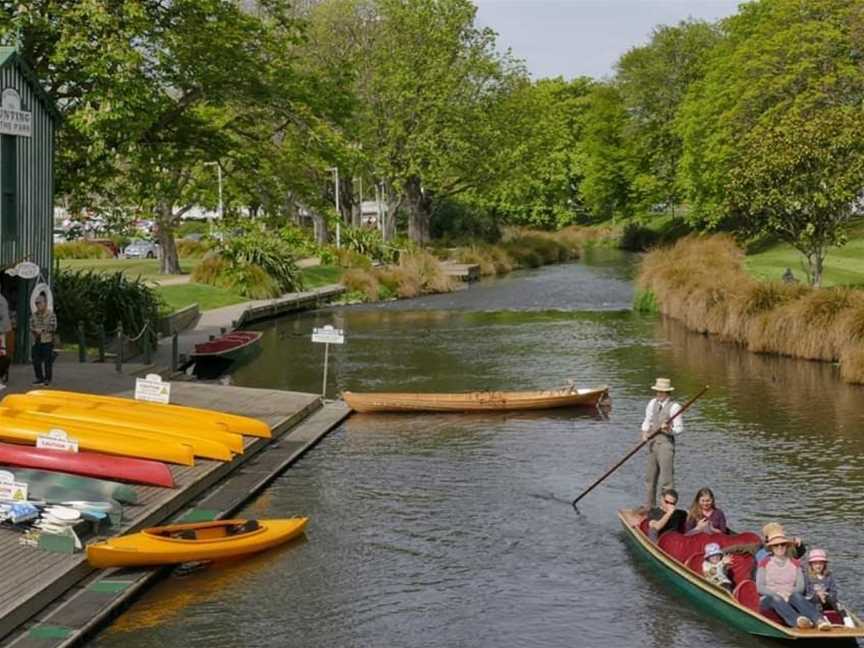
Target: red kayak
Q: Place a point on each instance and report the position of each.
(91, 464)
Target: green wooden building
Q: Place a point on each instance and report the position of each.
(28, 118)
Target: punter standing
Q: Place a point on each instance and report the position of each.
(661, 448)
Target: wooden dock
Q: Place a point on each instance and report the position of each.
(467, 272)
(34, 579)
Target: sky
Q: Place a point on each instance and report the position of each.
(573, 38)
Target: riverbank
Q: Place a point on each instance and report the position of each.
(702, 282)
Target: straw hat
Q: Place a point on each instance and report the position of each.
(663, 385)
(817, 555)
(776, 536)
(712, 549)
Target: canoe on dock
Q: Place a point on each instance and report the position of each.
(677, 558)
(475, 401)
(179, 543)
(88, 464)
(244, 425)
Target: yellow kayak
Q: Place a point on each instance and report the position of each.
(17, 427)
(42, 421)
(206, 437)
(238, 424)
(179, 543)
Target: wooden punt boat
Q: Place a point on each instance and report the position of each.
(88, 464)
(235, 423)
(179, 543)
(17, 427)
(678, 560)
(85, 427)
(474, 401)
(231, 346)
(124, 419)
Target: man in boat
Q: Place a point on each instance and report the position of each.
(661, 447)
(666, 517)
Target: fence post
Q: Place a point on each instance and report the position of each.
(118, 360)
(101, 333)
(175, 352)
(148, 344)
(82, 343)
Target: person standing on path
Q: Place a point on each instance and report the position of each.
(661, 448)
(43, 325)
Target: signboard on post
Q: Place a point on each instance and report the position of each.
(57, 439)
(327, 335)
(152, 389)
(11, 489)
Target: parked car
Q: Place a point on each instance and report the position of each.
(108, 244)
(60, 236)
(142, 249)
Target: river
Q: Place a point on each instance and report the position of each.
(456, 530)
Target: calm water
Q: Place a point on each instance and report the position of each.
(456, 530)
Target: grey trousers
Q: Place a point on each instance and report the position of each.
(661, 467)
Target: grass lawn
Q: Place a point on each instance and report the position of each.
(209, 297)
(144, 268)
(843, 266)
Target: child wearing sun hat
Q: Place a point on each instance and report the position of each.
(819, 586)
(715, 564)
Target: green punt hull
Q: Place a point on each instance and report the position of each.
(716, 602)
(55, 487)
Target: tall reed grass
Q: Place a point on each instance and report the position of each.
(702, 282)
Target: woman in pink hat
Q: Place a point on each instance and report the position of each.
(819, 586)
(780, 582)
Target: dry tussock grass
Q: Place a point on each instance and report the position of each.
(363, 281)
(701, 281)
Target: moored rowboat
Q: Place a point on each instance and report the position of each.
(179, 543)
(677, 558)
(230, 346)
(245, 425)
(474, 401)
(88, 464)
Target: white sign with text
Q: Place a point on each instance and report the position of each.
(152, 389)
(57, 439)
(13, 120)
(11, 489)
(328, 335)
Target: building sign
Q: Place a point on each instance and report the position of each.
(13, 120)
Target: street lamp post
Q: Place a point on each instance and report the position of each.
(338, 213)
(219, 176)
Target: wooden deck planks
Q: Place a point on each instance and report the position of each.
(33, 578)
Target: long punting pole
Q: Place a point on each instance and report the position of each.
(639, 446)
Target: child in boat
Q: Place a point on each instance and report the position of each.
(819, 586)
(715, 565)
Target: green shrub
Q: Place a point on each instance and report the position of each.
(299, 240)
(100, 299)
(188, 227)
(368, 242)
(81, 250)
(644, 301)
(190, 248)
(637, 238)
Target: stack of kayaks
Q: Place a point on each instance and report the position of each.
(179, 543)
(121, 426)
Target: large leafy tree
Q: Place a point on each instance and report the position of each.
(772, 141)
(152, 90)
(652, 80)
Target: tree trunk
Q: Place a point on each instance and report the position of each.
(419, 212)
(169, 262)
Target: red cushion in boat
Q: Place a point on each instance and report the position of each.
(681, 546)
(747, 595)
(643, 526)
(695, 561)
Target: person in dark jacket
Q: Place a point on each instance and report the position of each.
(666, 517)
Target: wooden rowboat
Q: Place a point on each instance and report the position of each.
(231, 346)
(474, 401)
(179, 543)
(678, 560)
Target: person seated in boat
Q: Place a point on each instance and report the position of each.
(797, 549)
(704, 516)
(667, 516)
(780, 582)
(819, 586)
(715, 566)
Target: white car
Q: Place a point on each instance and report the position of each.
(141, 249)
